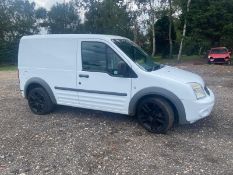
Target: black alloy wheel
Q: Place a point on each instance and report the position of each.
(39, 101)
(155, 115)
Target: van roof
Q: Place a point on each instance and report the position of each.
(99, 36)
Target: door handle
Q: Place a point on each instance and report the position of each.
(83, 76)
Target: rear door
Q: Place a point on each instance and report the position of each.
(99, 83)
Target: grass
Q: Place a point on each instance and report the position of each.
(184, 58)
(8, 67)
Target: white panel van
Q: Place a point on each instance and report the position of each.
(109, 73)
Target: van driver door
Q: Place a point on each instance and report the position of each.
(101, 83)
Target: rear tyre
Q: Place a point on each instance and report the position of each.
(39, 101)
(155, 115)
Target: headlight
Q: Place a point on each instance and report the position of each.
(198, 90)
(209, 57)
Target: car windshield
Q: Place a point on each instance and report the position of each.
(219, 51)
(136, 54)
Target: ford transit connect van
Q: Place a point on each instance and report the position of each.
(109, 73)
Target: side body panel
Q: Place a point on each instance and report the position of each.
(54, 61)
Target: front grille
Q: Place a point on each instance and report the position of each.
(207, 90)
(219, 60)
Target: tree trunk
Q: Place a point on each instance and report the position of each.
(200, 50)
(170, 29)
(184, 32)
(152, 14)
(153, 40)
(135, 33)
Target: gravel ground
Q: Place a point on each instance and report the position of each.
(78, 141)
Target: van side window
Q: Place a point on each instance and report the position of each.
(99, 57)
(113, 61)
(93, 56)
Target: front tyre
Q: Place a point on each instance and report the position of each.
(39, 101)
(155, 115)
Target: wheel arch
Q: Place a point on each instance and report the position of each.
(177, 105)
(38, 82)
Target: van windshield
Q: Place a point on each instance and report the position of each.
(219, 51)
(137, 55)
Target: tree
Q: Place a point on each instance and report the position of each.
(207, 23)
(17, 18)
(162, 35)
(170, 28)
(63, 18)
(108, 17)
(134, 14)
(149, 7)
(227, 39)
(209, 19)
(152, 19)
(184, 31)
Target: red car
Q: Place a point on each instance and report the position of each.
(219, 55)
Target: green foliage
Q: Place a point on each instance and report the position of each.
(8, 68)
(108, 17)
(63, 18)
(17, 18)
(210, 24)
(227, 38)
(41, 13)
(161, 35)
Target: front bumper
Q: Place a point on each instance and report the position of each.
(218, 60)
(198, 109)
